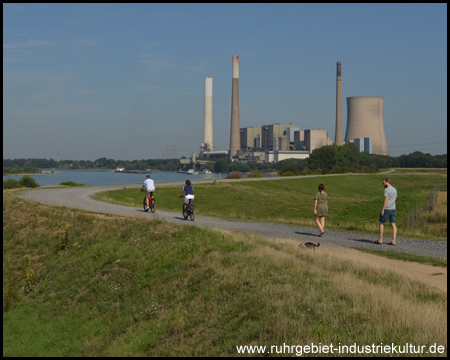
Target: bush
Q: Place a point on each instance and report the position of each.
(287, 173)
(256, 174)
(10, 184)
(70, 183)
(234, 175)
(289, 170)
(28, 181)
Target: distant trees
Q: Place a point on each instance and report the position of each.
(326, 159)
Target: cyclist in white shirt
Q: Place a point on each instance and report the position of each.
(149, 184)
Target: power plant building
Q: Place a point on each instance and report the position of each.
(250, 138)
(273, 137)
(315, 139)
(365, 120)
(365, 144)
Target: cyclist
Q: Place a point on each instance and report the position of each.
(149, 184)
(189, 193)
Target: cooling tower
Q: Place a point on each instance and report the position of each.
(235, 127)
(365, 119)
(338, 138)
(207, 128)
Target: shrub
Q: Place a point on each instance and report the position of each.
(28, 181)
(256, 174)
(70, 183)
(10, 184)
(287, 173)
(289, 169)
(234, 175)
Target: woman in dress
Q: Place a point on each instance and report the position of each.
(321, 208)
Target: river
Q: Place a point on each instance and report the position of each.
(109, 177)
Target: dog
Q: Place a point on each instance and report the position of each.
(309, 245)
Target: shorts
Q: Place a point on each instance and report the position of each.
(150, 193)
(187, 198)
(388, 214)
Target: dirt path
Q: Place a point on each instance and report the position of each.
(81, 197)
(432, 275)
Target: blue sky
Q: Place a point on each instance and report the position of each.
(126, 81)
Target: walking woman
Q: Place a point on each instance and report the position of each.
(321, 208)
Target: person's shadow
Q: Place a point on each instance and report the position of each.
(305, 233)
(367, 241)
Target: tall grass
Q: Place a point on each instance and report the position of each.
(354, 201)
(133, 287)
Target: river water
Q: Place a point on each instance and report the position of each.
(109, 177)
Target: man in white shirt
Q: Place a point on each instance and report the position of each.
(149, 184)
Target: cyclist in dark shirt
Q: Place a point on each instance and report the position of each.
(188, 190)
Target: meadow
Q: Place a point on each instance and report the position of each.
(354, 201)
(77, 283)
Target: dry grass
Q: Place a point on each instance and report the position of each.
(130, 287)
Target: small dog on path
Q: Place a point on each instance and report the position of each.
(309, 245)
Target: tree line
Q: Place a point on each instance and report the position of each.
(326, 159)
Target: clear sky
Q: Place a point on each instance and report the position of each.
(126, 81)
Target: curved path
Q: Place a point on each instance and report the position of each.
(81, 198)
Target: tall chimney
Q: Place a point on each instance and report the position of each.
(207, 128)
(235, 127)
(338, 140)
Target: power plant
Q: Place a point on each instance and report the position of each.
(235, 129)
(338, 137)
(365, 120)
(273, 142)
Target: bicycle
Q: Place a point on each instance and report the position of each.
(151, 201)
(188, 210)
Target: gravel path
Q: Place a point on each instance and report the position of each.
(80, 197)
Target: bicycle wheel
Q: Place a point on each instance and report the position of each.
(145, 205)
(152, 207)
(191, 215)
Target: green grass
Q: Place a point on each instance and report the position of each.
(133, 287)
(442, 262)
(354, 201)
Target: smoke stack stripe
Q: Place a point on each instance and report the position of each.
(235, 127)
(338, 140)
(207, 128)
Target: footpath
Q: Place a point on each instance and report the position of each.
(81, 198)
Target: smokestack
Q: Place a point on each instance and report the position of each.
(207, 128)
(338, 138)
(235, 127)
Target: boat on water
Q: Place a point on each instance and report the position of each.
(121, 169)
(206, 171)
(192, 172)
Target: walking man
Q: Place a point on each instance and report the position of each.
(388, 211)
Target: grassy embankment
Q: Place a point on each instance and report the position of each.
(84, 284)
(354, 201)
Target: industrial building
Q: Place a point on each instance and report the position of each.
(363, 144)
(365, 119)
(250, 138)
(315, 139)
